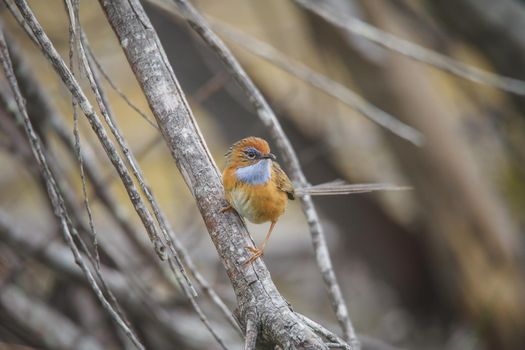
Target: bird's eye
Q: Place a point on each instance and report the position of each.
(251, 154)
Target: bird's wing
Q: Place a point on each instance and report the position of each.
(282, 181)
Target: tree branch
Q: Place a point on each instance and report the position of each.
(322, 82)
(414, 51)
(54, 192)
(291, 162)
(252, 284)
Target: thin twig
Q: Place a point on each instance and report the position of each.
(322, 82)
(414, 51)
(54, 193)
(72, 9)
(174, 260)
(179, 248)
(33, 94)
(114, 86)
(135, 168)
(265, 113)
(61, 68)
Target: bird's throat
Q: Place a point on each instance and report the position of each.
(256, 174)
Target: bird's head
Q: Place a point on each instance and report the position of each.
(248, 151)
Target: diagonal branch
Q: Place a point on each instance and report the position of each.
(322, 82)
(267, 116)
(71, 83)
(414, 51)
(252, 284)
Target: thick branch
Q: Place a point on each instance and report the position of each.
(252, 284)
(268, 117)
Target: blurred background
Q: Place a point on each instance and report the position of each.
(438, 267)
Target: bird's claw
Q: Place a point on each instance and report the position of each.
(256, 253)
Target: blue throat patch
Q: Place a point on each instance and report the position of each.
(256, 174)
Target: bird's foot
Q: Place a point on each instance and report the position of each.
(256, 253)
(225, 209)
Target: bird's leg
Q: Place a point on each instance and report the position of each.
(259, 252)
(225, 209)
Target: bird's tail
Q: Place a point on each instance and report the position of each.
(341, 187)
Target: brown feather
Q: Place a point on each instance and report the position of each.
(282, 181)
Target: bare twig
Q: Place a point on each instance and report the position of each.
(86, 107)
(114, 86)
(414, 51)
(177, 245)
(72, 9)
(175, 264)
(265, 113)
(171, 240)
(54, 193)
(322, 82)
(135, 168)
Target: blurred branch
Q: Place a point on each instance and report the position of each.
(114, 86)
(252, 284)
(54, 329)
(58, 259)
(54, 192)
(173, 242)
(41, 107)
(101, 186)
(73, 86)
(267, 116)
(72, 10)
(56, 256)
(414, 51)
(322, 82)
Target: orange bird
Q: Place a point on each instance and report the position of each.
(259, 190)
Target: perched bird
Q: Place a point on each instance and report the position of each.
(259, 190)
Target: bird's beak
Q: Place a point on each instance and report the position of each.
(269, 156)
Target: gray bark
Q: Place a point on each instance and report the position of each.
(252, 284)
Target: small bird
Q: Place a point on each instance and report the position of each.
(259, 190)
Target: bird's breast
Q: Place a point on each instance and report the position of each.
(259, 203)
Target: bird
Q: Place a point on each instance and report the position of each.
(258, 189)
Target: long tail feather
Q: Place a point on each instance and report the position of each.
(340, 187)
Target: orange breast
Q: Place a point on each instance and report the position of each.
(259, 203)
